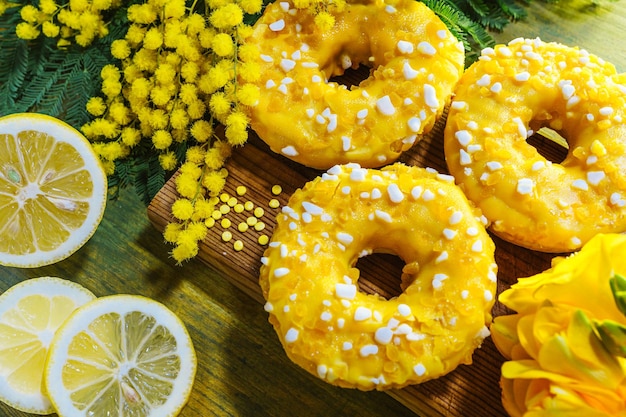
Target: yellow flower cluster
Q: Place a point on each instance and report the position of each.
(81, 20)
(561, 361)
(181, 79)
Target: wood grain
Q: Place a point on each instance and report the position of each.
(469, 390)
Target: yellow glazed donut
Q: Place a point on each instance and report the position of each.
(416, 62)
(512, 91)
(353, 339)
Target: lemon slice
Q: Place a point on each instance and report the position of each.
(121, 355)
(53, 190)
(30, 313)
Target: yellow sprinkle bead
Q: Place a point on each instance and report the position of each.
(263, 240)
(216, 214)
(259, 226)
(242, 227)
(238, 208)
(232, 202)
(251, 221)
(210, 222)
(274, 203)
(241, 190)
(277, 189)
(259, 212)
(226, 223)
(248, 205)
(227, 236)
(238, 245)
(224, 208)
(224, 197)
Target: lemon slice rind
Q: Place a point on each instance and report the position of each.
(62, 133)
(32, 402)
(122, 305)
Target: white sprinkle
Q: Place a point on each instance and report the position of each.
(580, 184)
(567, 91)
(606, 111)
(496, 87)
(316, 79)
(494, 165)
(459, 105)
(332, 123)
(310, 113)
(277, 25)
(376, 194)
(455, 218)
(383, 335)
(488, 295)
(385, 106)
(428, 195)
(430, 96)
(281, 272)
(522, 76)
(449, 233)
(345, 238)
(291, 335)
(443, 256)
(525, 186)
(362, 114)
(266, 58)
(419, 369)
(322, 370)
(426, 48)
(312, 209)
(405, 47)
(477, 246)
(463, 136)
(362, 313)
(538, 165)
(270, 84)
(346, 346)
(346, 190)
(395, 194)
(576, 241)
(484, 81)
(269, 307)
(289, 150)
(408, 71)
(416, 192)
(368, 350)
(282, 88)
(617, 200)
(465, 157)
(345, 143)
(472, 231)
(521, 128)
(404, 310)
(326, 316)
(594, 177)
(383, 215)
(358, 174)
(345, 291)
(438, 280)
(415, 124)
(464, 294)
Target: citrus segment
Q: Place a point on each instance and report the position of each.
(30, 313)
(121, 355)
(52, 190)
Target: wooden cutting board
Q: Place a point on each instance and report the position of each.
(254, 166)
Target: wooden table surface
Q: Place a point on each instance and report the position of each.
(243, 370)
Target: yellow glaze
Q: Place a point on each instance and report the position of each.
(516, 89)
(353, 339)
(415, 64)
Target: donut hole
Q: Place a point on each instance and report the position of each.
(352, 76)
(549, 143)
(381, 273)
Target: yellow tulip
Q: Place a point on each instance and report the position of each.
(566, 343)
